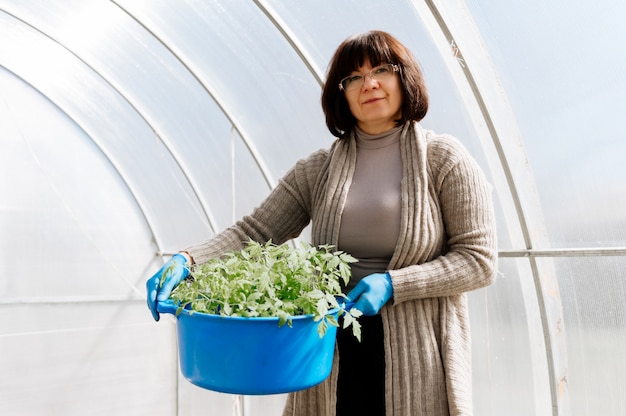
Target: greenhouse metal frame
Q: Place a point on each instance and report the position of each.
(132, 128)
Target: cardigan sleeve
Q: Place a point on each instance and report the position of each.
(280, 217)
(468, 258)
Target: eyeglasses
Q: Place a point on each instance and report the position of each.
(380, 73)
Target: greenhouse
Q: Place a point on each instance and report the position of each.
(131, 129)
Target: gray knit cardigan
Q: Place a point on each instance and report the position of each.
(446, 247)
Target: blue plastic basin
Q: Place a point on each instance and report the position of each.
(251, 355)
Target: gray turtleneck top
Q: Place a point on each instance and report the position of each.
(370, 222)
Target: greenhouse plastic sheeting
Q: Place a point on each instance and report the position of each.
(130, 129)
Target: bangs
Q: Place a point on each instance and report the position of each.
(360, 48)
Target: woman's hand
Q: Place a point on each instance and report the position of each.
(371, 293)
(160, 286)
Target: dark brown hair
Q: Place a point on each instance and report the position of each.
(380, 48)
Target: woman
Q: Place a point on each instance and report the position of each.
(413, 207)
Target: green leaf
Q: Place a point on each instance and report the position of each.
(332, 320)
(264, 279)
(322, 327)
(356, 330)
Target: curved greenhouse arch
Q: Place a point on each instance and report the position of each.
(194, 109)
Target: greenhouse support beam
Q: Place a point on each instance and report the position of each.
(219, 102)
(457, 27)
(83, 126)
(66, 300)
(291, 39)
(565, 252)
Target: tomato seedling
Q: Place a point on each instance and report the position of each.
(269, 280)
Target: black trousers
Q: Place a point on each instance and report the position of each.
(361, 383)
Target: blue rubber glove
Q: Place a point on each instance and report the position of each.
(371, 293)
(175, 270)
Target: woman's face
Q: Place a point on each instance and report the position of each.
(377, 103)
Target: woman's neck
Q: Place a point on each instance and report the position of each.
(376, 128)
